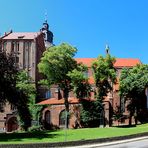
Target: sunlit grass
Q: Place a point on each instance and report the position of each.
(70, 134)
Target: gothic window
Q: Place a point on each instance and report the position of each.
(18, 46)
(14, 50)
(12, 46)
(62, 118)
(15, 47)
(47, 94)
(47, 117)
(17, 60)
(27, 54)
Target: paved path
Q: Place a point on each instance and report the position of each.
(134, 144)
(131, 143)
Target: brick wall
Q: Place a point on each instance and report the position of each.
(55, 111)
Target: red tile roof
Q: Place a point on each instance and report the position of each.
(22, 35)
(85, 61)
(129, 62)
(126, 62)
(55, 101)
(120, 62)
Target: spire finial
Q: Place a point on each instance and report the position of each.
(107, 49)
(46, 16)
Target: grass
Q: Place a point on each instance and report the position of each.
(72, 134)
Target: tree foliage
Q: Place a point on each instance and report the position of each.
(133, 83)
(90, 113)
(24, 83)
(104, 76)
(79, 82)
(55, 64)
(60, 68)
(8, 90)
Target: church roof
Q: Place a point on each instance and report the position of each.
(55, 101)
(126, 62)
(21, 35)
(120, 62)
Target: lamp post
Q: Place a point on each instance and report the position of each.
(66, 125)
(102, 116)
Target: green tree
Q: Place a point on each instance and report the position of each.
(8, 90)
(82, 90)
(24, 83)
(133, 82)
(59, 67)
(79, 82)
(104, 76)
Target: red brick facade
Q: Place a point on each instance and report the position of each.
(28, 51)
(111, 103)
(56, 117)
(27, 48)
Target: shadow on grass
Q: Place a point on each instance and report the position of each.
(125, 126)
(28, 135)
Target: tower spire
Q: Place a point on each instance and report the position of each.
(48, 35)
(107, 49)
(45, 16)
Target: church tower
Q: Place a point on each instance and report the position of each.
(48, 35)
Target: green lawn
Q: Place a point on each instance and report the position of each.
(72, 134)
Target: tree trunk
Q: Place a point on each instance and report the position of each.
(130, 118)
(135, 116)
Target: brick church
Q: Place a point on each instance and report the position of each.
(54, 113)
(27, 48)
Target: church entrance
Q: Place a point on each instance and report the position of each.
(11, 124)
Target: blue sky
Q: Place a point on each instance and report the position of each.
(86, 24)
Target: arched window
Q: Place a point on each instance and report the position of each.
(62, 118)
(47, 117)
